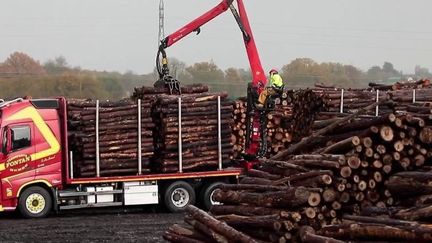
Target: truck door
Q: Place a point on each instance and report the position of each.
(16, 162)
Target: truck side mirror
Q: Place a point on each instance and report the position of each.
(4, 141)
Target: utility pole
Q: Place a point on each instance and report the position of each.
(161, 21)
(162, 27)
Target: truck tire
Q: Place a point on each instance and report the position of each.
(35, 202)
(178, 195)
(207, 194)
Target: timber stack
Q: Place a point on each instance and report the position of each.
(420, 84)
(238, 137)
(118, 137)
(359, 178)
(118, 132)
(197, 119)
(407, 97)
(348, 100)
(289, 121)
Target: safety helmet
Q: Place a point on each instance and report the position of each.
(273, 71)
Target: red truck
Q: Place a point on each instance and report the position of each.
(36, 174)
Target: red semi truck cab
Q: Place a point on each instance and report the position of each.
(36, 169)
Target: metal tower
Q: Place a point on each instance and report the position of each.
(161, 21)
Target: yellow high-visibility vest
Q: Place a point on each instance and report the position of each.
(276, 80)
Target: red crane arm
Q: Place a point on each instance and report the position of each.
(259, 79)
(197, 23)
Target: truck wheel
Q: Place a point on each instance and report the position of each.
(178, 195)
(207, 195)
(35, 202)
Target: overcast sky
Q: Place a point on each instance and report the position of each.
(122, 35)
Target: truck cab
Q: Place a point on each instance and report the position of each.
(31, 153)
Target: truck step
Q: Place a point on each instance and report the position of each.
(63, 194)
(95, 205)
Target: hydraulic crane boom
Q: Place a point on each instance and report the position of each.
(255, 144)
(259, 79)
(196, 24)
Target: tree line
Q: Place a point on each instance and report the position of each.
(21, 75)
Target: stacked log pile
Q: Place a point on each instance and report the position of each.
(238, 137)
(290, 120)
(411, 101)
(420, 84)
(199, 126)
(406, 98)
(349, 101)
(118, 137)
(357, 179)
(118, 132)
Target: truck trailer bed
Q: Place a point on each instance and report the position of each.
(165, 176)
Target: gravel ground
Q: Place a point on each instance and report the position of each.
(133, 225)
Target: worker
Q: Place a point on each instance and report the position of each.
(276, 84)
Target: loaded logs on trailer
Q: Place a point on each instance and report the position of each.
(118, 132)
(356, 179)
(118, 137)
(290, 119)
(201, 116)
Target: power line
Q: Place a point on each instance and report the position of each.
(344, 28)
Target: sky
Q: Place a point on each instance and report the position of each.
(122, 35)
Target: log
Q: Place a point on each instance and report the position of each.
(262, 174)
(410, 183)
(386, 133)
(271, 222)
(360, 231)
(253, 211)
(255, 181)
(308, 235)
(290, 198)
(191, 98)
(251, 187)
(218, 226)
(283, 164)
(318, 181)
(343, 145)
(202, 228)
(415, 213)
(301, 177)
(426, 135)
(186, 232)
(330, 195)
